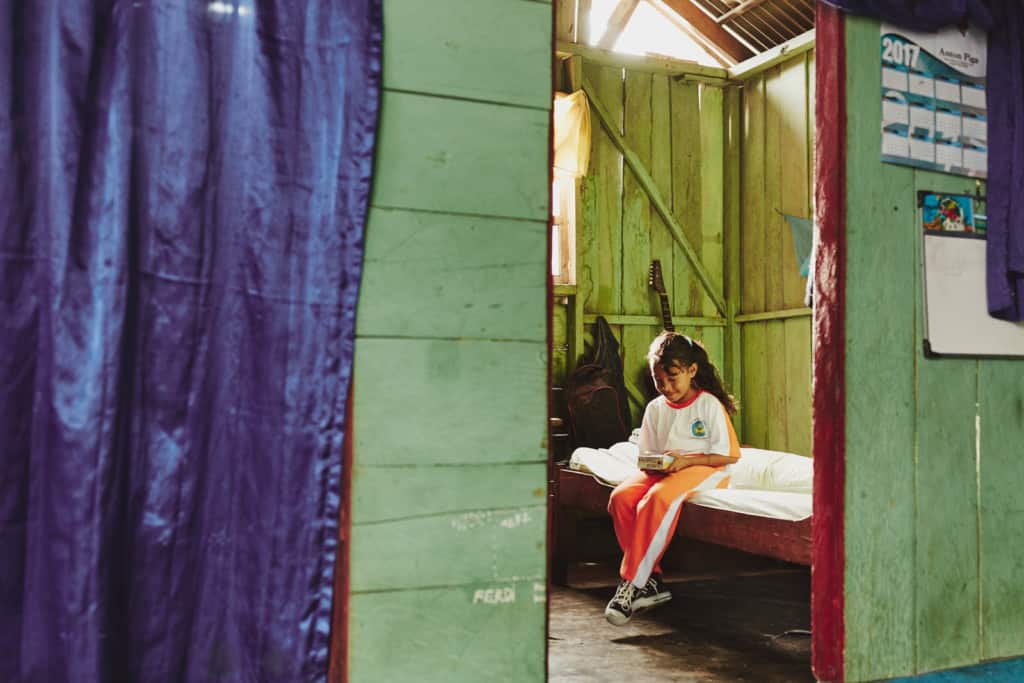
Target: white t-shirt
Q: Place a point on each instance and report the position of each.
(701, 425)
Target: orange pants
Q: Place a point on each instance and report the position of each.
(645, 509)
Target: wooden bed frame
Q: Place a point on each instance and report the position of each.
(575, 492)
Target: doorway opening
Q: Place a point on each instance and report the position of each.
(693, 156)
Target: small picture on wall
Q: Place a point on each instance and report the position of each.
(951, 213)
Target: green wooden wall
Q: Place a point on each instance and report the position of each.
(726, 160)
(675, 127)
(934, 448)
(447, 548)
(777, 169)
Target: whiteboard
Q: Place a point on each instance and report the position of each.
(956, 319)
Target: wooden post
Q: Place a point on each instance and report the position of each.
(573, 67)
(828, 579)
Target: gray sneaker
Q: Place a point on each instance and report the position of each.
(653, 593)
(620, 608)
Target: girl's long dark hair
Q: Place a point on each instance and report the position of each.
(671, 348)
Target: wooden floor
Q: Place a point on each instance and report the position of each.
(714, 630)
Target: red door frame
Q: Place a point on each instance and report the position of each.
(829, 401)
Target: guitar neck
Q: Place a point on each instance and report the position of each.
(666, 315)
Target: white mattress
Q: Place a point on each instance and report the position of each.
(784, 505)
(763, 483)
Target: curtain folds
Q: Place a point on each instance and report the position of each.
(1004, 19)
(181, 226)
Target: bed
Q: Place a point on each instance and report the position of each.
(766, 511)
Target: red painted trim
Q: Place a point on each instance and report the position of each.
(686, 403)
(337, 671)
(829, 559)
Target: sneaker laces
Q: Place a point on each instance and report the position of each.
(624, 593)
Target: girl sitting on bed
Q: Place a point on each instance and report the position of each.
(690, 422)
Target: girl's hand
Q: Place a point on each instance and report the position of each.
(682, 460)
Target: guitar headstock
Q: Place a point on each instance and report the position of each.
(654, 277)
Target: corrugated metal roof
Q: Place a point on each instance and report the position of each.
(761, 24)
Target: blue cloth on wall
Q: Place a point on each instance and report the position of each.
(182, 202)
(1004, 19)
(802, 230)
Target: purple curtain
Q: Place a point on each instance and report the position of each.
(1004, 19)
(182, 198)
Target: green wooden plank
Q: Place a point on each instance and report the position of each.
(605, 254)
(1002, 512)
(438, 47)
(947, 515)
(777, 385)
(440, 401)
(754, 411)
(711, 183)
(491, 544)
(947, 599)
(466, 634)
(811, 80)
(389, 493)
(636, 251)
(752, 216)
(714, 342)
(731, 238)
(687, 207)
(576, 347)
(881, 573)
(797, 332)
(656, 320)
(635, 342)
(587, 211)
(560, 341)
(464, 276)
(636, 213)
(795, 189)
(775, 227)
(712, 187)
(662, 243)
(464, 157)
(802, 312)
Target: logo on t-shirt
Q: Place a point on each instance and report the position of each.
(697, 428)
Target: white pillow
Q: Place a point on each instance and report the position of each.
(611, 466)
(772, 471)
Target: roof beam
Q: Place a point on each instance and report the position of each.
(739, 10)
(706, 26)
(617, 23)
(769, 58)
(664, 66)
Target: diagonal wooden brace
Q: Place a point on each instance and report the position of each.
(651, 190)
